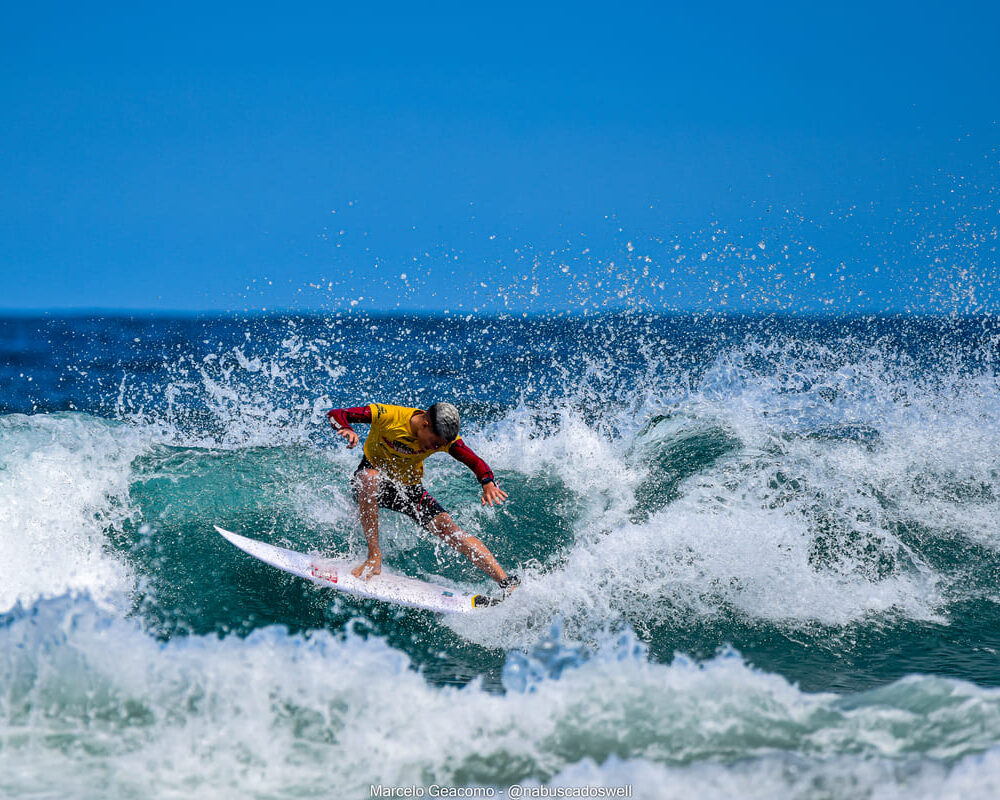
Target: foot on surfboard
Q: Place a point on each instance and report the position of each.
(507, 584)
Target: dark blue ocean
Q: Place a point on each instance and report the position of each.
(760, 557)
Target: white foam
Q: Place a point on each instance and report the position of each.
(95, 708)
(64, 481)
(794, 778)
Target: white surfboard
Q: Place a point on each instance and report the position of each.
(335, 573)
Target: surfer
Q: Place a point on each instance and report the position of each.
(391, 472)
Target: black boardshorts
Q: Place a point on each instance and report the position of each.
(414, 501)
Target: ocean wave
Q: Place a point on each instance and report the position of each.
(702, 481)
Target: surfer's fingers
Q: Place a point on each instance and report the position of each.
(494, 496)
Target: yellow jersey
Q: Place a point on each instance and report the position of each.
(392, 449)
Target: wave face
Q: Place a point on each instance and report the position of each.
(760, 557)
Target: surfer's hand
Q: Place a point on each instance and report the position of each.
(493, 494)
(373, 565)
(351, 436)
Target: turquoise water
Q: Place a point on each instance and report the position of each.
(761, 558)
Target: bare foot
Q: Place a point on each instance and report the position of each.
(372, 565)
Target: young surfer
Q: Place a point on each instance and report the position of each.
(391, 471)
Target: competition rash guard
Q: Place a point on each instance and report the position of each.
(391, 447)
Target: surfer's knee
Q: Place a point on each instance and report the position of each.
(365, 482)
(445, 527)
(441, 523)
(448, 530)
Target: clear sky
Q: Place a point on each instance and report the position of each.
(434, 157)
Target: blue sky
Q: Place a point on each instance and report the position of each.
(522, 157)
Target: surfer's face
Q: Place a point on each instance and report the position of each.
(426, 436)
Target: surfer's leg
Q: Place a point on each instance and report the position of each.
(417, 502)
(469, 546)
(366, 487)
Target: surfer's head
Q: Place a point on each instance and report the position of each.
(443, 419)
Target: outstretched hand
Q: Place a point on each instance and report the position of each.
(351, 436)
(493, 494)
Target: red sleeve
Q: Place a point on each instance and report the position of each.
(343, 417)
(462, 452)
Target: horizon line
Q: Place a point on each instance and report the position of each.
(118, 313)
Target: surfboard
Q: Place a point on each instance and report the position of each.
(335, 573)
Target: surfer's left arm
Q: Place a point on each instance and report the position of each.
(341, 419)
(491, 492)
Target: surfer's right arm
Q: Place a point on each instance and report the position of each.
(341, 419)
